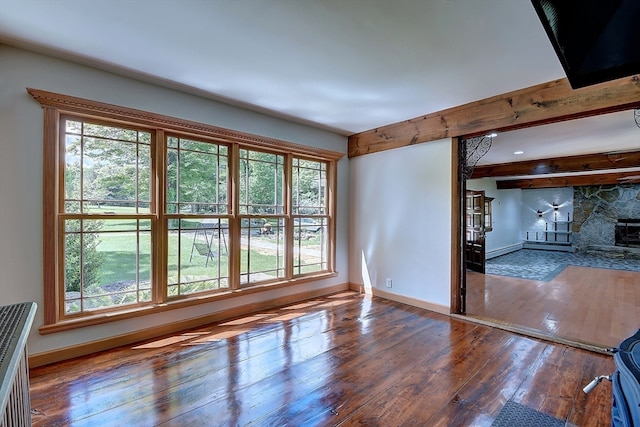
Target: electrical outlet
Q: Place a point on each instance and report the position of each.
(389, 283)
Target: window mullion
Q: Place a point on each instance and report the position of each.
(159, 228)
(288, 194)
(234, 221)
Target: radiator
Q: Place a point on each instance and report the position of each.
(15, 402)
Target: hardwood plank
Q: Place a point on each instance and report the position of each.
(545, 103)
(592, 409)
(589, 305)
(135, 380)
(439, 376)
(270, 395)
(340, 360)
(351, 377)
(488, 390)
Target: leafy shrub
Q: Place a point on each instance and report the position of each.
(92, 259)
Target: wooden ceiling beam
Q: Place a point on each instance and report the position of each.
(582, 163)
(545, 103)
(571, 181)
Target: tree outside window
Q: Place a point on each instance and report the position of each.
(143, 211)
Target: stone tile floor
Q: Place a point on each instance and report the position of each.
(544, 265)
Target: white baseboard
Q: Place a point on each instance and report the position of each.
(548, 247)
(503, 251)
(415, 302)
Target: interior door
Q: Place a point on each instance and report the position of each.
(474, 230)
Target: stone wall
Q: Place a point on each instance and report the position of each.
(596, 210)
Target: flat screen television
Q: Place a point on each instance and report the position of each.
(595, 40)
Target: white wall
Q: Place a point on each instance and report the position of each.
(401, 221)
(543, 199)
(515, 213)
(21, 120)
(506, 235)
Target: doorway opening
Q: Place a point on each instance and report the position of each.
(573, 291)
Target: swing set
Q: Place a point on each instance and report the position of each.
(211, 234)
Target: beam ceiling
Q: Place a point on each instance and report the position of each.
(572, 180)
(571, 164)
(545, 103)
(580, 170)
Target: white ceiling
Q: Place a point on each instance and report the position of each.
(599, 134)
(343, 65)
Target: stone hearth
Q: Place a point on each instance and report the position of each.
(614, 252)
(596, 210)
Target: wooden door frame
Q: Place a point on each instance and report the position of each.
(545, 103)
(458, 190)
(502, 112)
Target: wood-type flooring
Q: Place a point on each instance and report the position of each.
(582, 304)
(341, 360)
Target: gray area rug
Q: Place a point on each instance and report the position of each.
(542, 265)
(516, 415)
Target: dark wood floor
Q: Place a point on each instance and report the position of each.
(341, 360)
(582, 304)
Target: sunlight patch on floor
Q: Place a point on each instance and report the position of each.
(245, 320)
(285, 317)
(218, 336)
(170, 340)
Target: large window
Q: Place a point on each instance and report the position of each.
(261, 206)
(105, 216)
(197, 208)
(310, 216)
(146, 212)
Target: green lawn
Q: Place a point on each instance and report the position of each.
(126, 264)
(123, 263)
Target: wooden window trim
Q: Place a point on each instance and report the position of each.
(63, 215)
(95, 109)
(132, 312)
(54, 105)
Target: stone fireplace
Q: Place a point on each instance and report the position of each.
(628, 233)
(607, 220)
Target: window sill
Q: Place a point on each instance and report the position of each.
(129, 313)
